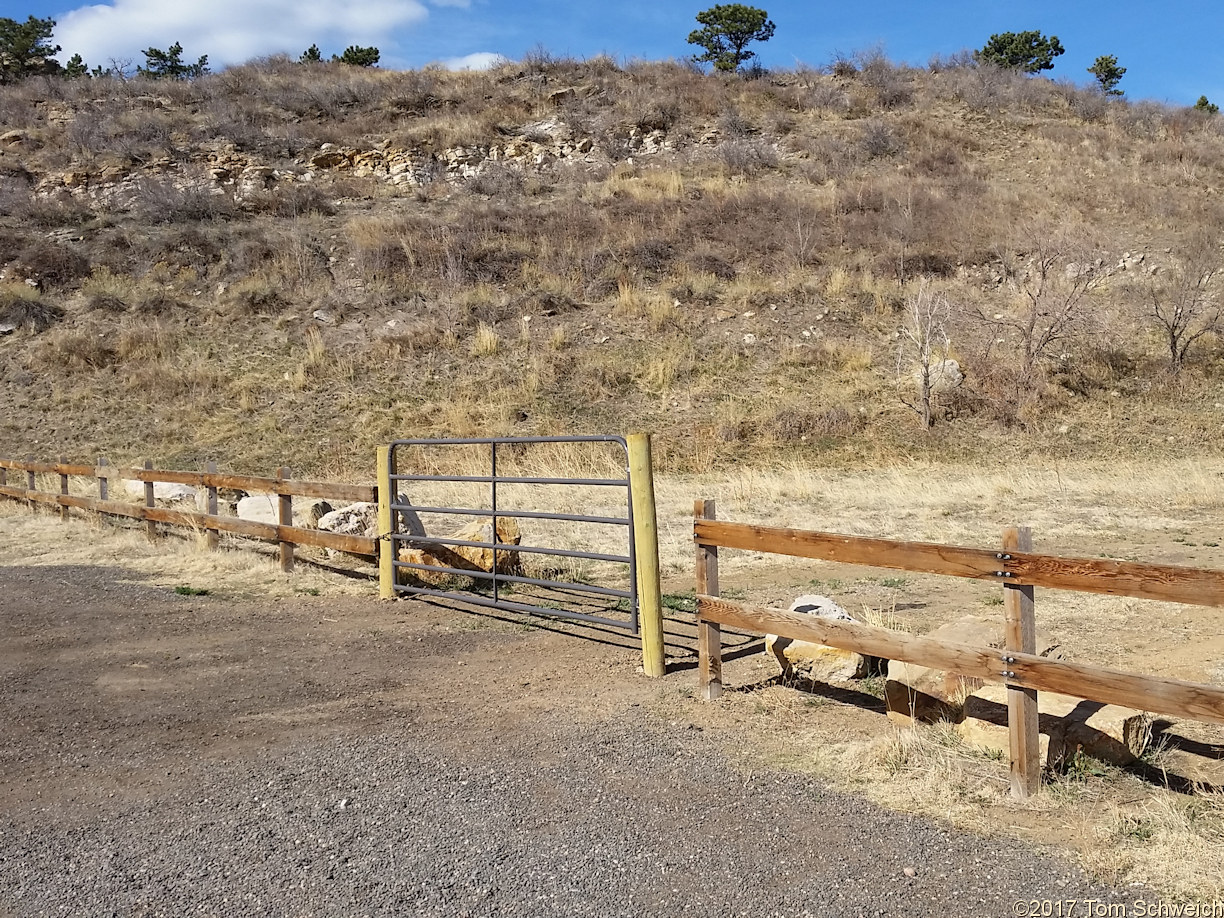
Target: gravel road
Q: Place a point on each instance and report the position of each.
(171, 755)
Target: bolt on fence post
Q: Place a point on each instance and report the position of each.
(646, 554)
(214, 536)
(150, 502)
(1022, 715)
(285, 518)
(386, 559)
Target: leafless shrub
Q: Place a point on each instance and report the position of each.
(791, 424)
(496, 180)
(50, 213)
(709, 263)
(257, 296)
(891, 83)
(1089, 106)
(652, 256)
(878, 139)
(960, 60)
(184, 198)
(747, 157)
(1052, 307)
(105, 302)
(21, 307)
(159, 303)
(924, 364)
(734, 124)
(843, 65)
(49, 264)
(1182, 303)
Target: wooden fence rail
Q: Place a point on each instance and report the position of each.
(283, 533)
(1016, 665)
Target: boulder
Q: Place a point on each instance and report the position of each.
(1110, 733)
(818, 662)
(259, 508)
(918, 693)
(465, 557)
(162, 490)
(360, 519)
(308, 513)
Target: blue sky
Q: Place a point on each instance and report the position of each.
(1170, 50)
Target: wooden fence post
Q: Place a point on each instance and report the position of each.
(63, 489)
(646, 555)
(31, 485)
(709, 634)
(386, 558)
(150, 503)
(1021, 635)
(285, 518)
(103, 479)
(214, 536)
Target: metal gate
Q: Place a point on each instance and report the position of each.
(516, 576)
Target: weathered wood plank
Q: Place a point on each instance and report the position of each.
(1146, 693)
(1167, 582)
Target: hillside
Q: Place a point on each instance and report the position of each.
(292, 263)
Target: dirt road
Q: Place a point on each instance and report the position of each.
(167, 754)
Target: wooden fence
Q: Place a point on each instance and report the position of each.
(1016, 665)
(283, 532)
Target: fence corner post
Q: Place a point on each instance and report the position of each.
(646, 554)
(709, 634)
(284, 518)
(386, 560)
(1020, 631)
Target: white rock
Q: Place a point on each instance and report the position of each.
(162, 490)
(259, 508)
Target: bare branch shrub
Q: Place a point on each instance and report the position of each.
(49, 264)
(1183, 305)
(22, 307)
(878, 139)
(184, 198)
(925, 366)
(1051, 307)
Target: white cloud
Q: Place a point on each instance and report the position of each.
(481, 60)
(230, 31)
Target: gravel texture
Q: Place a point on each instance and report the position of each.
(172, 756)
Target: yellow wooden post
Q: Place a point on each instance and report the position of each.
(386, 565)
(646, 553)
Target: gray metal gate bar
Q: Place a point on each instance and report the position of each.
(517, 514)
(497, 510)
(490, 479)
